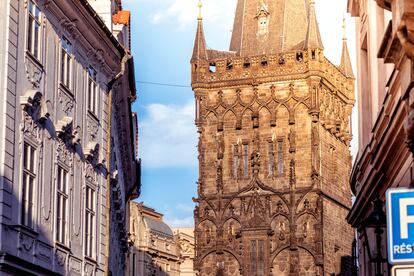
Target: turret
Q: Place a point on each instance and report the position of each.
(200, 47)
(346, 66)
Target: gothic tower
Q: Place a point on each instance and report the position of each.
(274, 123)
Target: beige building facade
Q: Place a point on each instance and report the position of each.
(67, 162)
(154, 250)
(185, 240)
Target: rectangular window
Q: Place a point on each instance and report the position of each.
(66, 63)
(61, 206)
(245, 160)
(235, 161)
(33, 29)
(89, 222)
(257, 258)
(92, 91)
(28, 179)
(280, 166)
(271, 164)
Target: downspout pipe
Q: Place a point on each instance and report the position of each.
(111, 83)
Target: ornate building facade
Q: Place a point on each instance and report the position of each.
(154, 249)
(185, 240)
(385, 44)
(67, 142)
(274, 123)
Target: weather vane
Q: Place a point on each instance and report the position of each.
(200, 5)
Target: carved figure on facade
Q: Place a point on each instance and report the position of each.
(67, 102)
(34, 71)
(220, 146)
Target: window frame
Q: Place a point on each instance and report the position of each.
(280, 157)
(28, 183)
(245, 159)
(66, 62)
(92, 90)
(62, 195)
(257, 257)
(34, 30)
(89, 248)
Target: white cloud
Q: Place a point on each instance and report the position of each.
(180, 222)
(185, 12)
(169, 135)
(185, 207)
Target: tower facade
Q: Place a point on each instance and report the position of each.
(274, 123)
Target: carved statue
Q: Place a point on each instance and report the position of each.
(282, 229)
(220, 146)
(292, 140)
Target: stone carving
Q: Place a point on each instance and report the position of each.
(34, 72)
(66, 101)
(26, 242)
(220, 176)
(93, 128)
(282, 229)
(44, 252)
(30, 128)
(292, 140)
(75, 265)
(61, 257)
(70, 27)
(63, 153)
(89, 269)
(292, 174)
(90, 174)
(220, 146)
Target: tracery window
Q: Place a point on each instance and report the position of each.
(271, 156)
(257, 258)
(280, 164)
(34, 23)
(245, 160)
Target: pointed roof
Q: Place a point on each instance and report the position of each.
(313, 36)
(200, 46)
(287, 25)
(346, 66)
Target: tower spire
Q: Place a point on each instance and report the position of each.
(200, 46)
(345, 66)
(200, 5)
(313, 36)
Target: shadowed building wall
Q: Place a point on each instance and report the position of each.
(66, 138)
(385, 51)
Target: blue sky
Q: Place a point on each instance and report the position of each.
(162, 42)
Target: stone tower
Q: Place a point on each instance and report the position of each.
(274, 123)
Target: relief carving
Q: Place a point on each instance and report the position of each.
(34, 72)
(26, 242)
(69, 26)
(66, 101)
(44, 252)
(61, 257)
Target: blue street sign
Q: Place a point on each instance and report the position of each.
(400, 225)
